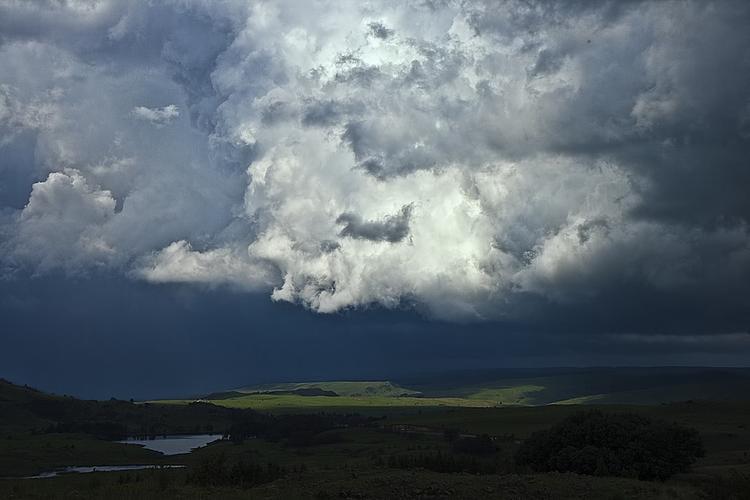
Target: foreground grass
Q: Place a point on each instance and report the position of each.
(353, 468)
(354, 483)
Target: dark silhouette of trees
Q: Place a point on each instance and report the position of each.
(101, 430)
(612, 444)
(295, 430)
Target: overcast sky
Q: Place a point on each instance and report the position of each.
(197, 193)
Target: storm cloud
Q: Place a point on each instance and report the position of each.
(583, 163)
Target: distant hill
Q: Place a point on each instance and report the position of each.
(24, 409)
(381, 388)
(504, 387)
(17, 406)
(12, 393)
(620, 385)
(304, 391)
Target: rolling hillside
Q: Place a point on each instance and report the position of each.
(510, 387)
(381, 388)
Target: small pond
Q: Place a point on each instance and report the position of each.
(166, 445)
(175, 445)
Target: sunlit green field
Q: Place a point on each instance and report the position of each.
(369, 395)
(567, 389)
(265, 402)
(340, 387)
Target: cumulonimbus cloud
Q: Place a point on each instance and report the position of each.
(476, 160)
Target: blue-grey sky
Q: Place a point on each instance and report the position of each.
(197, 194)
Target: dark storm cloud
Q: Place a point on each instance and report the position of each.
(57, 332)
(393, 228)
(580, 161)
(670, 109)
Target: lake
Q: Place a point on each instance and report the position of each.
(167, 445)
(174, 445)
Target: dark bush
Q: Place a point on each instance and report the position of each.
(612, 444)
(243, 429)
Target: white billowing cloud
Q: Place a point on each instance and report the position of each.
(179, 263)
(159, 117)
(58, 228)
(471, 234)
(461, 157)
(448, 237)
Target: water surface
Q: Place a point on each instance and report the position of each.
(174, 445)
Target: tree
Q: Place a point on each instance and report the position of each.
(612, 444)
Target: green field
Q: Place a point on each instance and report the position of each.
(636, 386)
(268, 402)
(360, 388)
(364, 395)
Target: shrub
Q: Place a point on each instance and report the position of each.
(612, 444)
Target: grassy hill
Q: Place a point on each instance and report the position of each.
(295, 403)
(15, 411)
(509, 387)
(355, 389)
